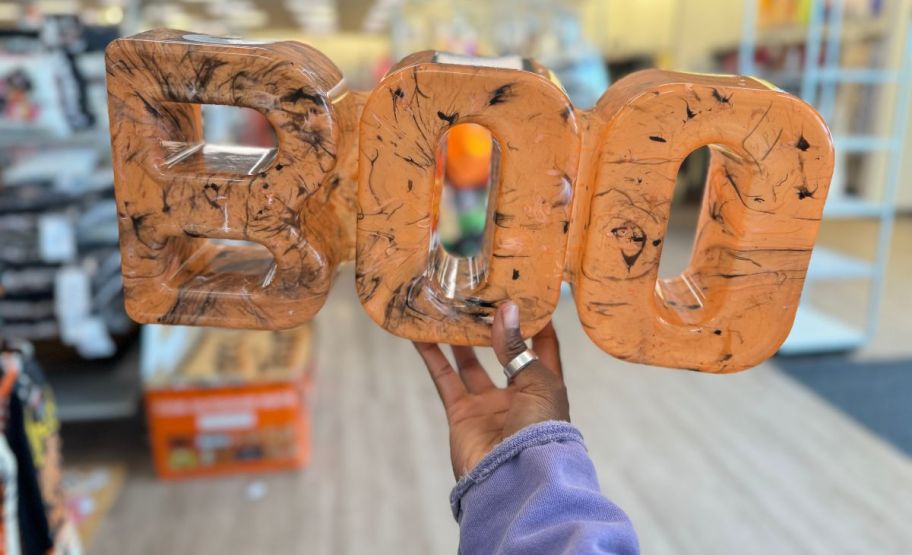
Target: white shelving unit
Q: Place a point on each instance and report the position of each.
(829, 263)
(814, 330)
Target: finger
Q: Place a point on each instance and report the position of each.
(449, 386)
(505, 335)
(508, 343)
(546, 346)
(473, 374)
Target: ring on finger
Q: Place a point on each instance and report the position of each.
(519, 362)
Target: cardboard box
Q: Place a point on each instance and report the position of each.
(239, 402)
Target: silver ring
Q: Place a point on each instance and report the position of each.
(519, 362)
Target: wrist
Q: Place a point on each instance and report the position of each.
(533, 435)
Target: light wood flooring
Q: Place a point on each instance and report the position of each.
(740, 464)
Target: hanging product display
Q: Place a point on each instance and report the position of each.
(34, 509)
(577, 196)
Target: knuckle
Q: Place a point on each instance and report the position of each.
(516, 345)
(466, 360)
(439, 371)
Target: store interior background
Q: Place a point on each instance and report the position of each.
(807, 453)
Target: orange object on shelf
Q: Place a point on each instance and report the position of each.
(239, 425)
(468, 156)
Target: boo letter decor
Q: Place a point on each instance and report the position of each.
(581, 196)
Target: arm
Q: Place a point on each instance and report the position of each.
(526, 484)
(537, 492)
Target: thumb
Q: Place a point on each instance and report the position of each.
(535, 377)
(505, 335)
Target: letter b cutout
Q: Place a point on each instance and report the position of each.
(174, 192)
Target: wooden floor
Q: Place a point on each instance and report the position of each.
(749, 463)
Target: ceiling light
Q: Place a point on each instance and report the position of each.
(112, 15)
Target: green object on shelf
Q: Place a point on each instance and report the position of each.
(473, 222)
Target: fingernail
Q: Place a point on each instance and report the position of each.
(511, 316)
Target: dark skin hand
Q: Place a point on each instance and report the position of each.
(481, 415)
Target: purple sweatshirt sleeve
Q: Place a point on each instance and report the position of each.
(537, 492)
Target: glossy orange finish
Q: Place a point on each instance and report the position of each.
(770, 168)
(174, 192)
(405, 280)
(578, 196)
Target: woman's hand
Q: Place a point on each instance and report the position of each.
(481, 415)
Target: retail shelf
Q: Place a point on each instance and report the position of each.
(831, 26)
(816, 332)
(848, 208)
(785, 79)
(24, 137)
(860, 76)
(856, 144)
(780, 35)
(797, 33)
(97, 391)
(45, 166)
(829, 264)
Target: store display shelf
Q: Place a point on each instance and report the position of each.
(829, 264)
(782, 34)
(29, 138)
(857, 144)
(816, 332)
(786, 34)
(847, 208)
(98, 391)
(861, 76)
(787, 80)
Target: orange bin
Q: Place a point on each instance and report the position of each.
(238, 403)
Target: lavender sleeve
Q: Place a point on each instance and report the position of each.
(537, 492)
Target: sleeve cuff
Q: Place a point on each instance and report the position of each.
(530, 436)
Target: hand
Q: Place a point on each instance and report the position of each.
(481, 415)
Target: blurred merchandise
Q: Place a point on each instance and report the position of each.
(58, 220)
(32, 435)
(550, 31)
(90, 494)
(29, 95)
(782, 12)
(469, 157)
(778, 36)
(238, 401)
